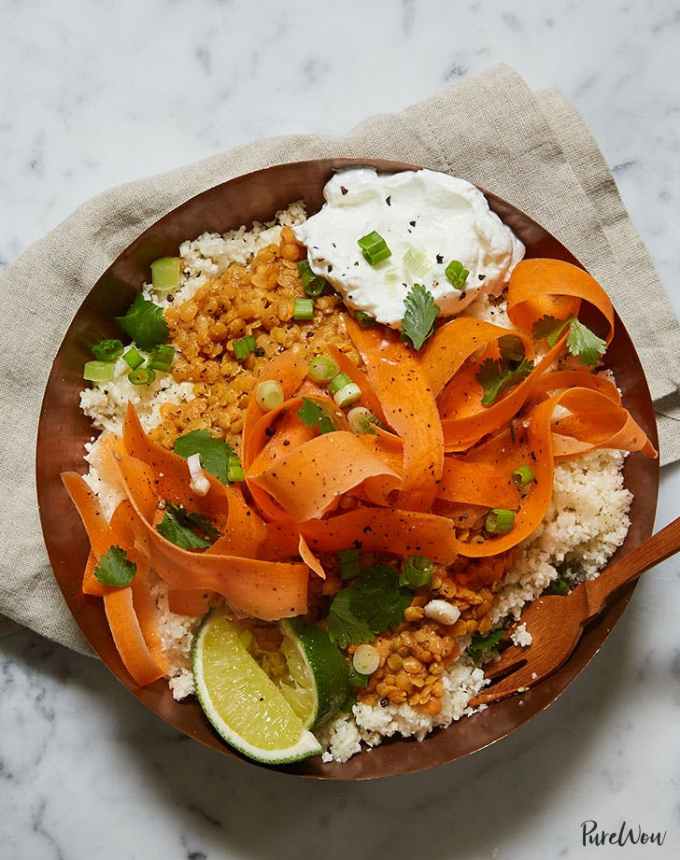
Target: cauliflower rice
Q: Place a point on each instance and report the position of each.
(587, 521)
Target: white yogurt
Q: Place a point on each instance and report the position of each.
(427, 219)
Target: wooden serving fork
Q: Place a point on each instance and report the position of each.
(556, 623)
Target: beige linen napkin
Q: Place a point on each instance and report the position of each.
(531, 149)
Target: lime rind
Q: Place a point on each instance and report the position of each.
(317, 665)
(251, 687)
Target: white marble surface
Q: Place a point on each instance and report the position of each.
(96, 93)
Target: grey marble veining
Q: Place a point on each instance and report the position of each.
(94, 94)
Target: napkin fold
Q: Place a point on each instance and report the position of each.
(532, 149)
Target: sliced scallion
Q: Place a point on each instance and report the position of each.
(416, 571)
(347, 395)
(361, 420)
(234, 470)
(523, 476)
(456, 274)
(303, 309)
(374, 248)
(141, 376)
(98, 371)
(416, 262)
(244, 346)
(499, 521)
(162, 357)
(339, 381)
(107, 350)
(166, 273)
(365, 320)
(269, 394)
(313, 284)
(133, 358)
(322, 368)
(366, 659)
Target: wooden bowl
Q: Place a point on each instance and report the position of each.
(63, 430)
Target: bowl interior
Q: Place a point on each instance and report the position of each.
(63, 430)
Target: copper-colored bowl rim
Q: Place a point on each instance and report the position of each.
(63, 429)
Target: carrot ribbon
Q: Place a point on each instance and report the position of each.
(408, 403)
(309, 479)
(596, 421)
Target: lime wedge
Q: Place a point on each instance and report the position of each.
(317, 685)
(243, 704)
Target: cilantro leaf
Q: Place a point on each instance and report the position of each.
(196, 521)
(344, 627)
(348, 562)
(559, 586)
(214, 453)
(379, 599)
(356, 679)
(585, 344)
(115, 568)
(480, 646)
(581, 341)
(495, 377)
(180, 527)
(551, 329)
(373, 603)
(419, 315)
(511, 348)
(311, 414)
(144, 323)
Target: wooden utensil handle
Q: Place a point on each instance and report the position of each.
(624, 570)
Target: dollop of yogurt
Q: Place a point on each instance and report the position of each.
(427, 219)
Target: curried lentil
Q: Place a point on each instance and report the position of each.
(256, 299)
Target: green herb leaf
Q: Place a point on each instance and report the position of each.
(356, 679)
(144, 323)
(348, 561)
(373, 603)
(581, 342)
(419, 315)
(115, 568)
(585, 344)
(495, 378)
(550, 329)
(511, 348)
(559, 586)
(214, 453)
(480, 646)
(344, 627)
(180, 527)
(311, 414)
